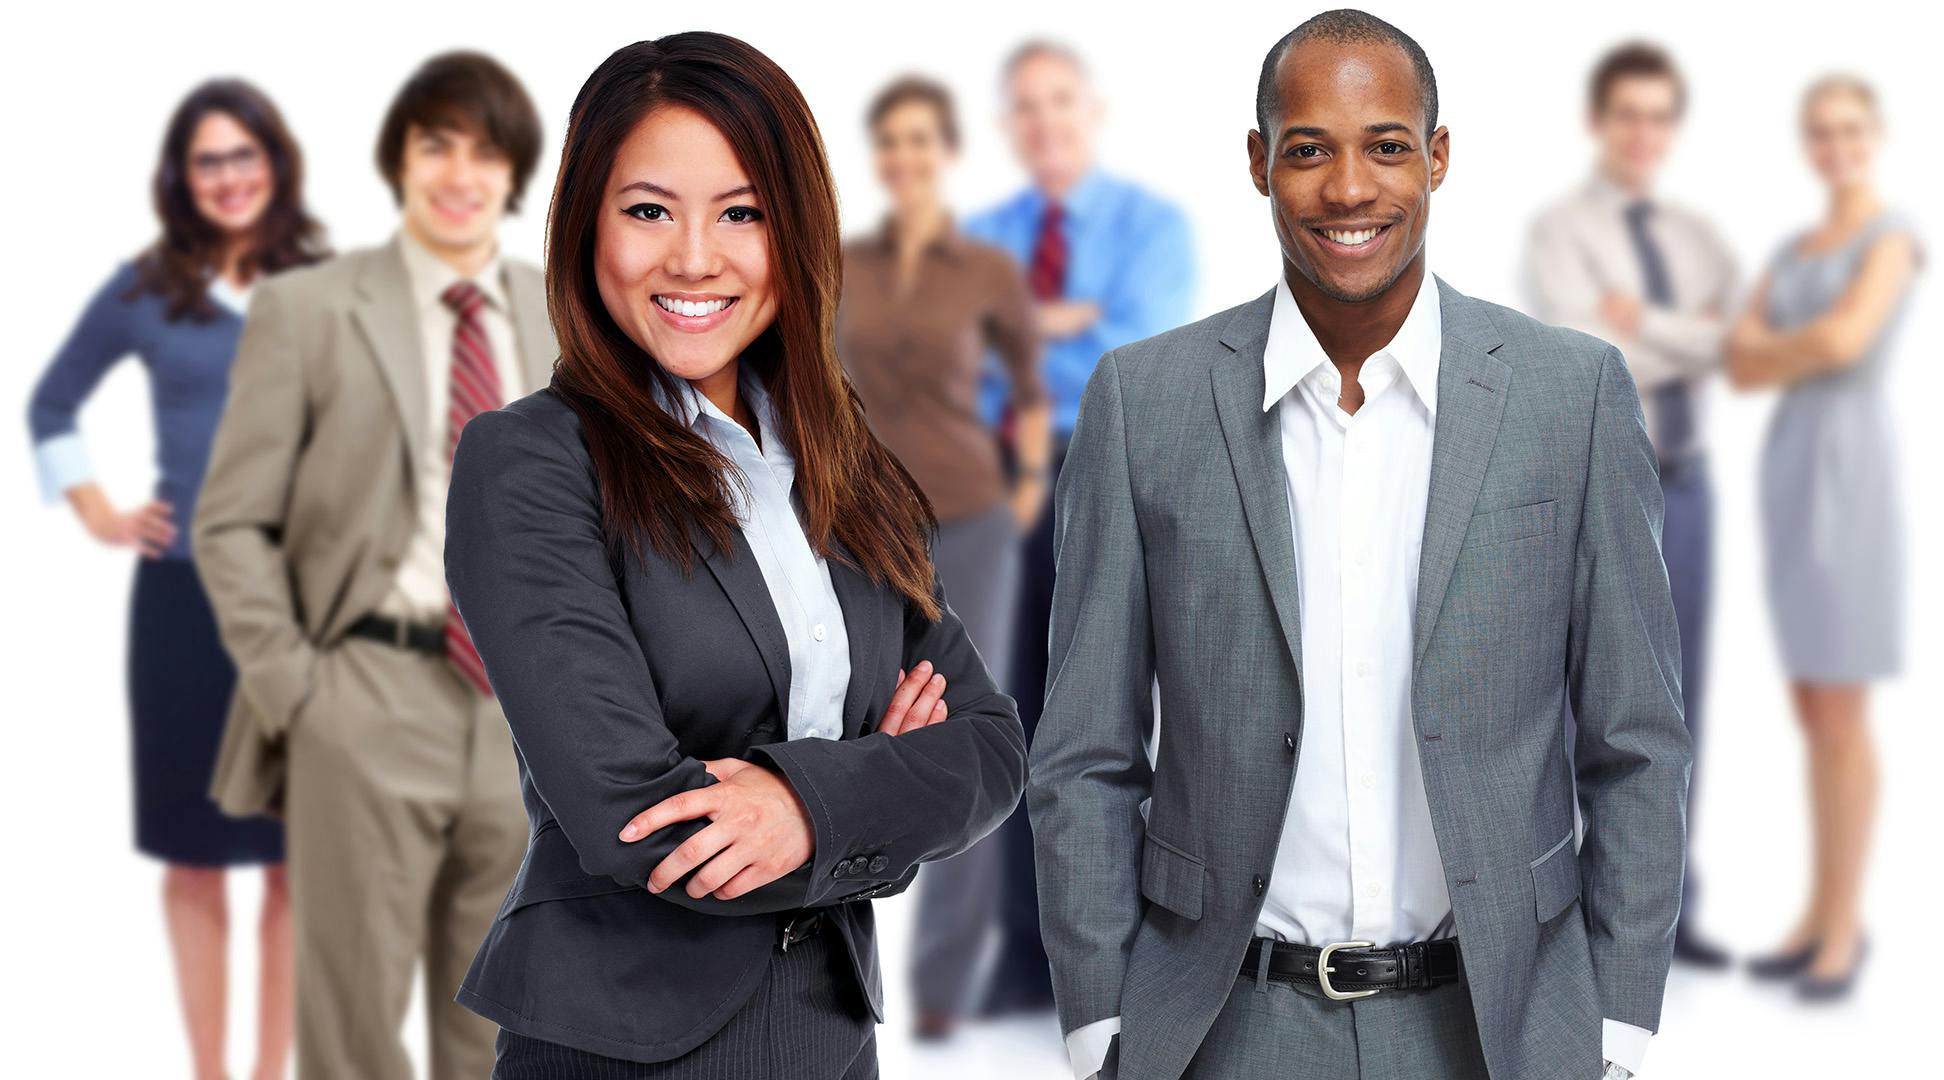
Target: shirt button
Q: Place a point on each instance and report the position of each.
(1259, 884)
(817, 631)
(1363, 668)
(1369, 779)
(1373, 889)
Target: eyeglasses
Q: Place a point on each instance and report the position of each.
(246, 160)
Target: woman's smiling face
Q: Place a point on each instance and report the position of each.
(681, 252)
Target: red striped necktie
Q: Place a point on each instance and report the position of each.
(474, 387)
(1047, 273)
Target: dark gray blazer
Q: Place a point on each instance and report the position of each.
(617, 684)
(1540, 582)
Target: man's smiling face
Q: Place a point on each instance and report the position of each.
(1347, 166)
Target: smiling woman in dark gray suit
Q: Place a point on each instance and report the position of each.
(704, 595)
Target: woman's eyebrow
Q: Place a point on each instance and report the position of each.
(656, 189)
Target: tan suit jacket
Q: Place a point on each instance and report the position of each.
(308, 505)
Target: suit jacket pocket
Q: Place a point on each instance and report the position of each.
(1555, 879)
(552, 871)
(1510, 523)
(1172, 878)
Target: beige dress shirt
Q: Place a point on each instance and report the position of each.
(1579, 249)
(418, 592)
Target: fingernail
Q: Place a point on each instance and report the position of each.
(924, 665)
(938, 680)
(628, 833)
(652, 887)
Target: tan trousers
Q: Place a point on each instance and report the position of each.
(404, 828)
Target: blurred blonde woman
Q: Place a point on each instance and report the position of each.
(1821, 327)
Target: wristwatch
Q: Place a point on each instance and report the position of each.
(1615, 1072)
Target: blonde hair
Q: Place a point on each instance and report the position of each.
(1841, 82)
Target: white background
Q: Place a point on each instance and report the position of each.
(87, 90)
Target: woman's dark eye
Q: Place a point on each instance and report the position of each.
(647, 212)
(742, 215)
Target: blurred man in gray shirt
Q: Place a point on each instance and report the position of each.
(1655, 280)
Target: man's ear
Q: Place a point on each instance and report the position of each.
(1258, 161)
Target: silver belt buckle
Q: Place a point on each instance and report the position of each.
(1323, 970)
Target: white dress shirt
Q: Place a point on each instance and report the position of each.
(798, 578)
(1358, 860)
(418, 591)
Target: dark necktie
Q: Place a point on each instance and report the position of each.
(1047, 272)
(1673, 399)
(474, 387)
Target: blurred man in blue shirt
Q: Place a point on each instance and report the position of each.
(1108, 262)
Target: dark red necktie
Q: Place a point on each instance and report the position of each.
(473, 388)
(1047, 274)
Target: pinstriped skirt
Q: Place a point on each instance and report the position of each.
(807, 1021)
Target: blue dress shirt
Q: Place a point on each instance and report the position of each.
(1128, 250)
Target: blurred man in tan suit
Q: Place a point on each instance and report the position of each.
(363, 716)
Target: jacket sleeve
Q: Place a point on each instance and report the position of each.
(237, 534)
(886, 803)
(527, 564)
(1632, 751)
(1090, 769)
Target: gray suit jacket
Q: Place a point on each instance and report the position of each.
(311, 496)
(1540, 583)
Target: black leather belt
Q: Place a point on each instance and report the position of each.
(418, 637)
(798, 926)
(1354, 969)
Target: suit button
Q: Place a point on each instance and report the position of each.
(1289, 741)
(878, 863)
(1259, 884)
(842, 867)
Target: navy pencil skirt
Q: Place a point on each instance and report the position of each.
(179, 685)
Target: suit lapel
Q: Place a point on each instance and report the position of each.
(861, 601)
(742, 579)
(532, 331)
(1254, 440)
(383, 314)
(1471, 400)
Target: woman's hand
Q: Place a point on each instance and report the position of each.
(150, 528)
(759, 831)
(919, 701)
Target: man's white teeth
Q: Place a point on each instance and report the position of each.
(1351, 238)
(692, 308)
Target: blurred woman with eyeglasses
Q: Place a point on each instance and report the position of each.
(229, 192)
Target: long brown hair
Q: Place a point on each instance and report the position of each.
(658, 479)
(176, 266)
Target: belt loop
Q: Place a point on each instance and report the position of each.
(1267, 945)
(401, 631)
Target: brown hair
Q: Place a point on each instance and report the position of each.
(1629, 60)
(918, 88)
(658, 479)
(465, 91)
(176, 266)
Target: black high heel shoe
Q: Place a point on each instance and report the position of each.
(1775, 967)
(1819, 990)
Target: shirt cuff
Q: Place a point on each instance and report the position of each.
(62, 461)
(1087, 1046)
(1623, 1044)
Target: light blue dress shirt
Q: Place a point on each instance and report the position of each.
(798, 579)
(1128, 250)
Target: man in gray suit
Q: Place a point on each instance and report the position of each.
(363, 716)
(1330, 564)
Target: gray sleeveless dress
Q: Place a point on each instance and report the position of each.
(1830, 497)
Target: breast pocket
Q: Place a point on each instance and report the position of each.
(1494, 527)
